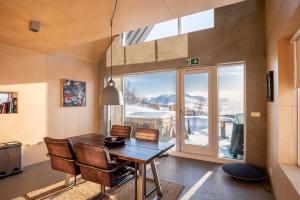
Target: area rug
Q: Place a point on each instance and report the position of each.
(87, 190)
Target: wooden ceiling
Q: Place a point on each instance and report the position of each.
(69, 23)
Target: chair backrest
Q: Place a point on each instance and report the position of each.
(92, 155)
(147, 134)
(61, 155)
(94, 163)
(121, 131)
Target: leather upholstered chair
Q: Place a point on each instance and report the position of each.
(121, 131)
(149, 135)
(62, 156)
(96, 166)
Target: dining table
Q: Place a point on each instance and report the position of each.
(141, 152)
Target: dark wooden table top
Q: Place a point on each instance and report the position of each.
(140, 151)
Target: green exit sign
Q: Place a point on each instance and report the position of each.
(192, 61)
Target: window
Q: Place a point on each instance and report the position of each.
(163, 30)
(190, 23)
(210, 107)
(231, 111)
(296, 56)
(198, 21)
(150, 102)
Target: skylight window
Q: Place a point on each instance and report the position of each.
(198, 21)
(163, 30)
(186, 24)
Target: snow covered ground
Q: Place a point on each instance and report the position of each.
(198, 124)
(197, 139)
(135, 111)
(129, 109)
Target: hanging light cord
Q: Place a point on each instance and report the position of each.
(111, 40)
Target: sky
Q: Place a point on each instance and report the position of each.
(195, 22)
(230, 83)
(153, 84)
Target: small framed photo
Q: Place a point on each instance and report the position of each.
(73, 93)
(270, 86)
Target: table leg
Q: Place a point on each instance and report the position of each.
(156, 179)
(140, 182)
(135, 180)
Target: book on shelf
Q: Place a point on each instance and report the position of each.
(10, 106)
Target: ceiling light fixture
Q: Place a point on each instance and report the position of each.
(110, 94)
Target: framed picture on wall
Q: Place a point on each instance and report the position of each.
(270, 86)
(73, 93)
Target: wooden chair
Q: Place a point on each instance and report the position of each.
(121, 131)
(96, 166)
(149, 135)
(62, 156)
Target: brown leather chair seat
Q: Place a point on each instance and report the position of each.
(62, 155)
(96, 166)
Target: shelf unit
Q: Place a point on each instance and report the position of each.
(8, 102)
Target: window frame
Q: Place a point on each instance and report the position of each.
(215, 146)
(244, 106)
(296, 76)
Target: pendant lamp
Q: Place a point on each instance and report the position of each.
(110, 94)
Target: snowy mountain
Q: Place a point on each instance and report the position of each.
(170, 99)
(167, 99)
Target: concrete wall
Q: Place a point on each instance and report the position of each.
(239, 35)
(282, 21)
(36, 77)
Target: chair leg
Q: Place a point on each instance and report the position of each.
(128, 177)
(103, 189)
(75, 180)
(135, 181)
(101, 195)
(67, 186)
(126, 180)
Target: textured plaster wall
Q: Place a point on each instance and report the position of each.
(239, 35)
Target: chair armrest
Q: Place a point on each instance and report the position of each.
(116, 168)
(61, 158)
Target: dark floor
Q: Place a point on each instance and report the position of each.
(190, 173)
